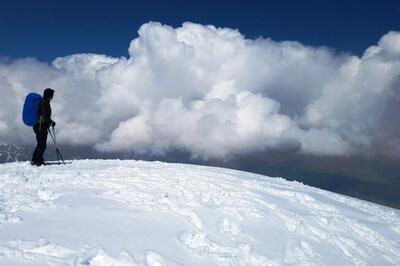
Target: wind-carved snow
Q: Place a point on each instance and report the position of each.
(153, 213)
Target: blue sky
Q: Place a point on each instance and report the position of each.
(48, 29)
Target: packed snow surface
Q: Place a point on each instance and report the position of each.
(151, 213)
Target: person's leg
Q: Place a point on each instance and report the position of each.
(34, 155)
(42, 144)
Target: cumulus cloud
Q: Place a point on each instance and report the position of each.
(214, 93)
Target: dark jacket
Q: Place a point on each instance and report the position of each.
(45, 113)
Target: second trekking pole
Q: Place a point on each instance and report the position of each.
(53, 136)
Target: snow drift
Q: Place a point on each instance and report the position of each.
(152, 213)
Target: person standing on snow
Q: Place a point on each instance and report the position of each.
(42, 126)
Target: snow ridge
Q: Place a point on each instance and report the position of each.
(112, 212)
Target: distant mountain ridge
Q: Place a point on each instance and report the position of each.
(14, 153)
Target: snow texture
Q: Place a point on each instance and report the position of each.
(95, 212)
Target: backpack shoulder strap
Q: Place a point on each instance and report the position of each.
(42, 116)
(42, 102)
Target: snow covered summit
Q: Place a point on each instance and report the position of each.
(151, 213)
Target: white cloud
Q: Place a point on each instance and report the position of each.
(212, 92)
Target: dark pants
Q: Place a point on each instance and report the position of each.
(41, 139)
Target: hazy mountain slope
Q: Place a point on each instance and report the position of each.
(13, 153)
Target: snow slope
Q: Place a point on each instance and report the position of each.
(151, 213)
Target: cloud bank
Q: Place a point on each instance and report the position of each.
(214, 93)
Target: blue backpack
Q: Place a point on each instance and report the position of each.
(30, 113)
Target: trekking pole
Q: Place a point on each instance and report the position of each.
(55, 144)
(57, 149)
(53, 136)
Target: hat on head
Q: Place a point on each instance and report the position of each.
(48, 93)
